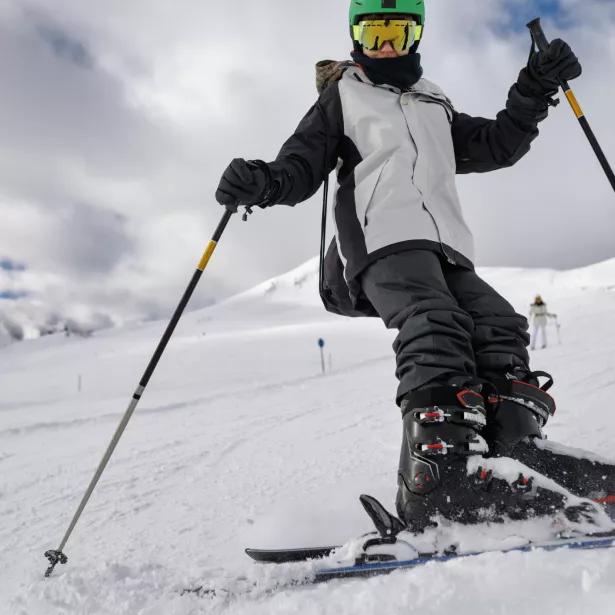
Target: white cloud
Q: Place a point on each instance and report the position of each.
(108, 166)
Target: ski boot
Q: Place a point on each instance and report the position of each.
(517, 411)
(441, 441)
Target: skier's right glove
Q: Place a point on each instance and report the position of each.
(540, 78)
(244, 182)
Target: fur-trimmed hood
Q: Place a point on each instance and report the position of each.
(329, 71)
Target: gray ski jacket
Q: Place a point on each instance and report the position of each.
(396, 154)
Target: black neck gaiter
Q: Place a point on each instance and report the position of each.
(401, 72)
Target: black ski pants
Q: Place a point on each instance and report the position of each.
(453, 326)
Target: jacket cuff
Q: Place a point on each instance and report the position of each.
(526, 111)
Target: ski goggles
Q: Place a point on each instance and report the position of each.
(373, 33)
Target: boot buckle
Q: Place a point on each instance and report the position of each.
(432, 415)
(440, 447)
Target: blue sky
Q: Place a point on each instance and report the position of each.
(544, 7)
(521, 13)
(535, 8)
(8, 265)
(9, 294)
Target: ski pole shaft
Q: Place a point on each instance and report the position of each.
(58, 557)
(557, 327)
(543, 44)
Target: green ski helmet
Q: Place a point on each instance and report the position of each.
(368, 7)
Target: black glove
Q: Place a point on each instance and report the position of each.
(243, 183)
(540, 78)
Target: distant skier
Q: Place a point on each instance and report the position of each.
(403, 252)
(539, 317)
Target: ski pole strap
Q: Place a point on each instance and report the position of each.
(271, 192)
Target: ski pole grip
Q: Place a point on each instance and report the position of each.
(539, 34)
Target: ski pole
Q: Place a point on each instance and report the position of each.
(557, 326)
(543, 44)
(57, 556)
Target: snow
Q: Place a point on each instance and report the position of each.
(241, 441)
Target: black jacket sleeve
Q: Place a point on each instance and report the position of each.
(483, 145)
(311, 153)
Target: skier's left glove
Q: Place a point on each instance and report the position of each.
(540, 78)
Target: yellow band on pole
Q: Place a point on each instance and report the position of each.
(211, 246)
(574, 103)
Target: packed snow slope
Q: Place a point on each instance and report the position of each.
(241, 441)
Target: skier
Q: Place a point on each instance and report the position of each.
(539, 315)
(403, 252)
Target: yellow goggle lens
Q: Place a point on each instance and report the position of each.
(373, 33)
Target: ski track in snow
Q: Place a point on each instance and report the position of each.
(240, 441)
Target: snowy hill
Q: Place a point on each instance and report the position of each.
(240, 440)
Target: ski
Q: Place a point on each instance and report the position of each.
(381, 552)
(601, 541)
(245, 586)
(285, 556)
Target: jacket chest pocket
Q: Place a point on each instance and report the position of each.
(435, 116)
(436, 106)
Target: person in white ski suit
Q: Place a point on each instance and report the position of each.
(404, 253)
(539, 317)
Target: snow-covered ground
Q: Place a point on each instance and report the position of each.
(241, 441)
